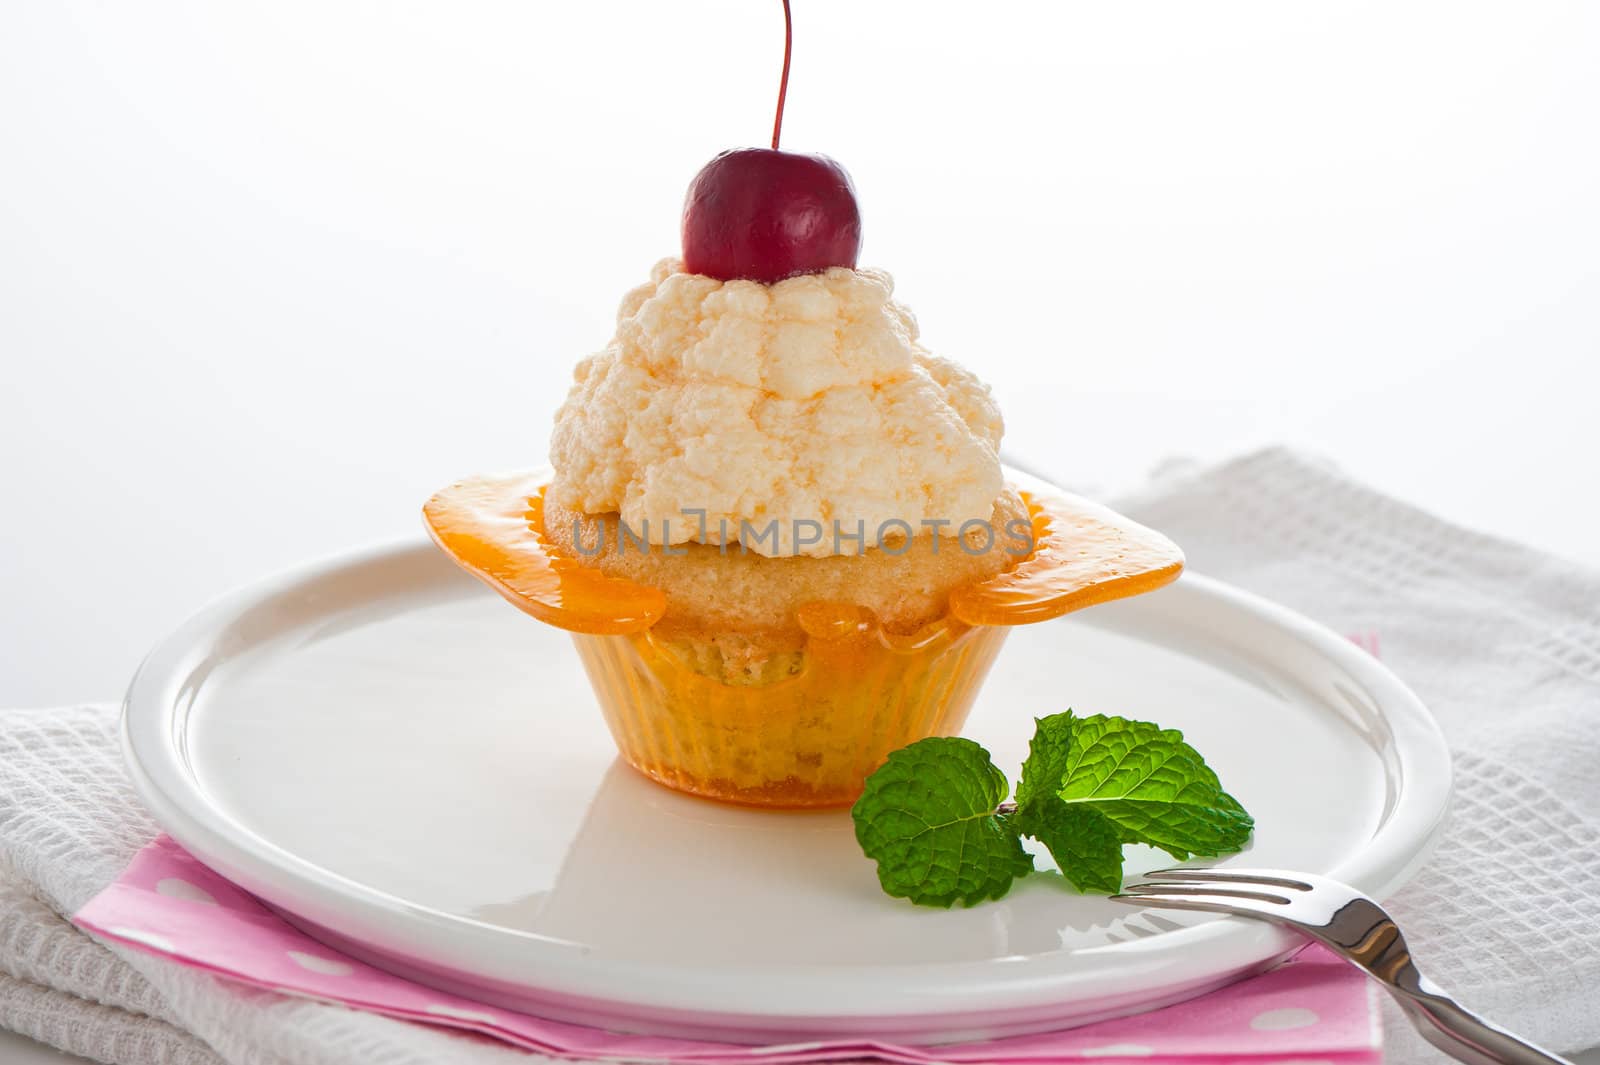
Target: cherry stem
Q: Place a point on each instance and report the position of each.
(783, 83)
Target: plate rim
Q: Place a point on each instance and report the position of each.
(805, 995)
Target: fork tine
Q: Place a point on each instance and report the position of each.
(1176, 902)
(1203, 891)
(1263, 877)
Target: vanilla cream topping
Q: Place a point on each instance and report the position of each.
(805, 401)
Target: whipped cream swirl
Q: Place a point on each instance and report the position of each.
(809, 400)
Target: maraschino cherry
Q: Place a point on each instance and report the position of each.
(763, 215)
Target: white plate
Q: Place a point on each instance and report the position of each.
(416, 773)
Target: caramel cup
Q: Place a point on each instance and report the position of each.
(857, 692)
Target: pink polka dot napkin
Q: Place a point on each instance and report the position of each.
(1312, 1010)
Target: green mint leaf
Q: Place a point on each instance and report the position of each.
(1152, 786)
(1049, 754)
(1084, 843)
(1092, 784)
(1086, 846)
(930, 818)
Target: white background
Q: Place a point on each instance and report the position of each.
(273, 272)
(270, 273)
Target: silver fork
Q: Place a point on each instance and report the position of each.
(1357, 929)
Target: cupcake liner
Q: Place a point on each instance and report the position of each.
(809, 739)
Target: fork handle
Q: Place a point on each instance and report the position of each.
(1467, 1037)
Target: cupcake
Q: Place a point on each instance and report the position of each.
(777, 525)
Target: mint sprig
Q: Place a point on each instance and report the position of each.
(934, 817)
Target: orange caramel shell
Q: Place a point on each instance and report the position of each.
(492, 525)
